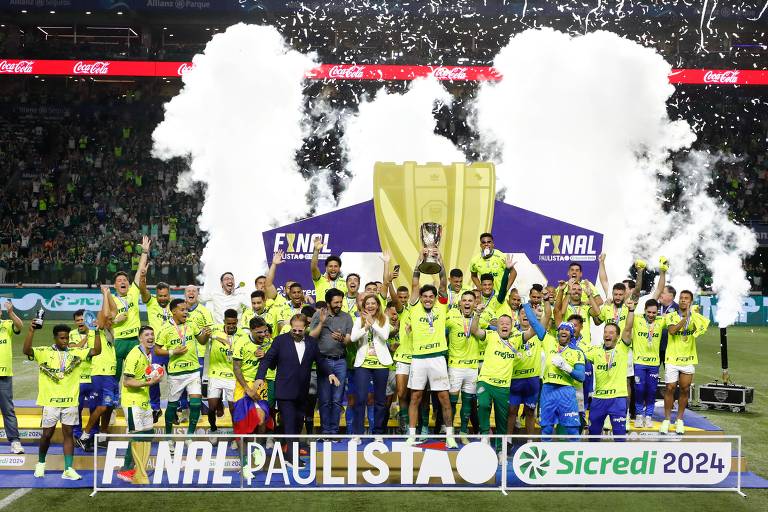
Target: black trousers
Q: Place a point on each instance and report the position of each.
(292, 414)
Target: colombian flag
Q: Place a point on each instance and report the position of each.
(249, 413)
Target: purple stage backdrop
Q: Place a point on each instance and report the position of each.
(549, 243)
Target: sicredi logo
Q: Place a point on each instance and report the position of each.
(641, 463)
(567, 248)
(299, 246)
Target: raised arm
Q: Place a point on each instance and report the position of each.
(663, 267)
(639, 283)
(313, 266)
(561, 305)
(106, 305)
(442, 287)
(27, 349)
(146, 243)
(143, 290)
(322, 314)
(269, 286)
(96, 350)
(510, 274)
(602, 275)
(388, 275)
(626, 334)
(594, 309)
(474, 327)
(416, 278)
(17, 323)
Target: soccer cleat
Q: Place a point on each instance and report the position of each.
(88, 445)
(411, 441)
(450, 442)
(40, 470)
(71, 474)
(639, 421)
(16, 448)
(679, 427)
(126, 475)
(664, 428)
(156, 415)
(463, 438)
(81, 443)
(649, 422)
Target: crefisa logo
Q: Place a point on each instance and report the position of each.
(567, 248)
(299, 246)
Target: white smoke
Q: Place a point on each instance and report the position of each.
(238, 120)
(395, 128)
(581, 131)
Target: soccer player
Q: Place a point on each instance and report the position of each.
(370, 333)
(81, 337)
(463, 354)
(563, 371)
(179, 342)
(58, 387)
(221, 375)
(489, 261)
(427, 318)
(292, 307)
(199, 318)
(126, 300)
(332, 332)
(104, 381)
(526, 373)
(681, 358)
(667, 305)
(252, 410)
(646, 341)
(258, 308)
(565, 307)
(576, 275)
(456, 288)
(403, 356)
(7, 329)
(158, 315)
(503, 349)
(351, 296)
(331, 278)
(610, 364)
(136, 406)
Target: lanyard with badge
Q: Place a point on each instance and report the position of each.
(125, 303)
(230, 342)
(617, 314)
(371, 348)
(181, 334)
(351, 303)
(493, 293)
(685, 329)
(608, 361)
(431, 321)
(467, 324)
(651, 328)
(509, 346)
(148, 355)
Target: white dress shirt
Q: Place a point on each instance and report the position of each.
(300, 348)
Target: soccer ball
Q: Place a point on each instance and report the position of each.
(154, 370)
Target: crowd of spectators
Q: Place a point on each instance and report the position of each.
(80, 187)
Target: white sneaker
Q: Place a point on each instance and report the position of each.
(270, 443)
(450, 442)
(411, 441)
(664, 428)
(463, 438)
(679, 427)
(16, 448)
(639, 421)
(40, 470)
(71, 474)
(649, 422)
(501, 458)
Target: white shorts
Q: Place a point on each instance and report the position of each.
(462, 379)
(53, 415)
(432, 370)
(391, 383)
(403, 368)
(178, 383)
(221, 388)
(672, 372)
(141, 419)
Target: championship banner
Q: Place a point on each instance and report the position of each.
(460, 197)
(169, 69)
(639, 463)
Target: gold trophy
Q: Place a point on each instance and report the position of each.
(459, 197)
(430, 239)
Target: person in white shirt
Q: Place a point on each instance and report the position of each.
(372, 361)
(228, 297)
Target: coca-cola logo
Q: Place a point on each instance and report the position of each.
(183, 68)
(346, 72)
(99, 67)
(721, 77)
(22, 66)
(455, 73)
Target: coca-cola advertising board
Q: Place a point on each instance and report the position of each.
(343, 71)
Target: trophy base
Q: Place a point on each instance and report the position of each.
(429, 267)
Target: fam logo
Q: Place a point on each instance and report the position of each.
(299, 246)
(567, 248)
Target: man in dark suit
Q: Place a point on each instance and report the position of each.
(293, 354)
